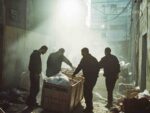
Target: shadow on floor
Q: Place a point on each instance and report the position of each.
(78, 109)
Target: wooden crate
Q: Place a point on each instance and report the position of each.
(57, 98)
(79, 90)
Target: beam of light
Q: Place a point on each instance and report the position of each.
(88, 18)
(65, 28)
(55, 33)
(69, 11)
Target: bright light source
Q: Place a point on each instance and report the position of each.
(70, 8)
(88, 18)
(103, 26)
(70, 11)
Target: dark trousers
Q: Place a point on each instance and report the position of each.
(110, 84)
(88, 95)
(34, 89)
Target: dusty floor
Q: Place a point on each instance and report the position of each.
(99, 101)
(98, 108)
(20, 108)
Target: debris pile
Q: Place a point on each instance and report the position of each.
(134, 102)
(10, 97)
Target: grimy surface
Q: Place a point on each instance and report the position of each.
(99, 101)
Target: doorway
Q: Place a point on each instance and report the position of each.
(143, 62)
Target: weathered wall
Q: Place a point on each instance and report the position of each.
(140, 33)
(143, 31)
(134, 42)
(14, 16)
(1, 52)
(18, 46)
(11, 36)
(148, 66)
(1, 39)
(19, 41)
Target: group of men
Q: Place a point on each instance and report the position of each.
(89, 66)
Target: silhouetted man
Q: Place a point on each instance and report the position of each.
(35, 68)
(54, 62)
(89, 66)
(111, 67)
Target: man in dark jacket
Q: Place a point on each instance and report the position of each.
(90, 68)
(35, 68)
(111, 67)
(54, 62)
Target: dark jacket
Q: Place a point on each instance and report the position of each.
(110, 64)
(35, 64)
(89, 66)
(54, 63)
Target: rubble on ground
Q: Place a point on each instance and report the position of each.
(134, 101)
(10, 97)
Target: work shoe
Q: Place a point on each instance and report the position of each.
(35, 105)
(87, 111)
(108, 106)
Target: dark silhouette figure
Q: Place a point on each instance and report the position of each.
(90, 68)
(35, 68)
(111, 67)
(54, 62)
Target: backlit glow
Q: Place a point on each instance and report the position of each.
(70, 11)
